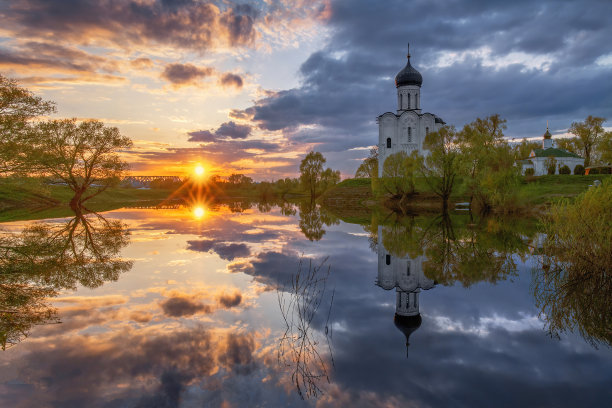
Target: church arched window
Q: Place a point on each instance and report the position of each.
(409, 135)
(388, 143)
(416, 101)
(426, 131)
(408, 270)
(388, 259)
(408, 100)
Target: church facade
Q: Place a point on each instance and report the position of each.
(540, 159)
(405, 129)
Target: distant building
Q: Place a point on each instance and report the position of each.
(405, 275)
(539, 159)
(405, 129)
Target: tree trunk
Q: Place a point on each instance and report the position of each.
(75, 202)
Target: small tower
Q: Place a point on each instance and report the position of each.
(547, 142)
(408, 83)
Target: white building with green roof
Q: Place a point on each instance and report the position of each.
(540, 159)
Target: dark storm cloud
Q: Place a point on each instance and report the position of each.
(229, 130)
(179, 306)
(229, 79)
(349, 82)
(225, 251)
(181, 74)
(188, 24)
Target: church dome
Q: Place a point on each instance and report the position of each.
(547, 135)
(407, 325)
(408, 75)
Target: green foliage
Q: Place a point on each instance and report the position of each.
(551, 166)
(17, 107)
(565, 170)
(85, 156)
(573, 285)
(588, 136)
(579, 170)
(313, 178)
(44, 259)
(241, 180)
(369, 167)
(523, 149)
(441, 167)
(529, 172)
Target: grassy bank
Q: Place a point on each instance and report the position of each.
(36, 202)
(535, 194)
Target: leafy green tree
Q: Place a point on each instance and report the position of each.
(588, 135)
(572, 284)
(311, 169)
(441, 167)
(84, 156)
(565, 170)
(488, 161)
(18, 106)
(604, 148)
(579, 170)
(369, 167)
(312, 176)
(523, 149)
(237, 179)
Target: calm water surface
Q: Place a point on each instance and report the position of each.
(242, 309)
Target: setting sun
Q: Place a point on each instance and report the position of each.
(198, 212)
(199, 170)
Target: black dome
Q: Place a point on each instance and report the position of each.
(408, 76)
(407, 324)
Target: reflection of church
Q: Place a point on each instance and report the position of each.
(405, 275)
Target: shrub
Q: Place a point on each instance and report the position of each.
(579, 170)
(565, 170)
(551, 165)
(529, 172)
(593, 170)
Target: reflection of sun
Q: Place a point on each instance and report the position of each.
(199, 170)
(198, 212)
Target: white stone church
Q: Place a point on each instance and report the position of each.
(405, 129)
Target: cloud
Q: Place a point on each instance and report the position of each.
(231, 80)
(229, 130)
(186, 24)
(179, 306)
(230, 300)
(225, 251)
(184, 74)
(476, 60)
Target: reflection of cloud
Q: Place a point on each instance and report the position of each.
(225, 251)
(179, 306)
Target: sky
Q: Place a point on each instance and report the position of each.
(251, 87)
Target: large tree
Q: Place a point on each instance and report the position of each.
(312, 175)
(588, 136)
(84, 156)
(369, 167)
(17, 107)
(441, 167)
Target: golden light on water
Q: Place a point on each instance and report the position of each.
(198, 212)
(199, 170)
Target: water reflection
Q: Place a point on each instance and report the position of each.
(299, 348)
(45, 258)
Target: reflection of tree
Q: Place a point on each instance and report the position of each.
(43, 259)
(456, 252)
(312, 220)
(298, 348)
(570, 300)
(573, 286)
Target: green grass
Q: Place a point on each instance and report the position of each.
(52, 201)
(549, 189)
